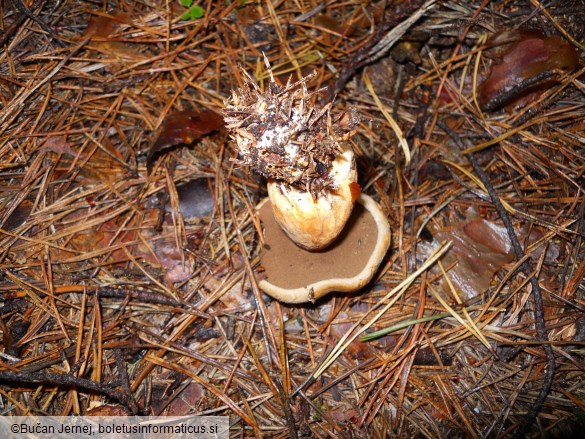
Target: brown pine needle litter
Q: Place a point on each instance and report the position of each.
(113, 292)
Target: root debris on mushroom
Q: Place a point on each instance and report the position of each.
(301, 150)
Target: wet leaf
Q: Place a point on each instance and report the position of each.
(183, 128)
(187, 401)
(104, 164)
(344, 415)
(59, 145)
(103, 29)
(382, 75)
(526, 62)
(143, 242)
(479, 249)
(17, 329)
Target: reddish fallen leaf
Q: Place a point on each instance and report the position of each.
(489, 235)
(59, 145)
(12, 334)
(382, 75)
(102, 26)
(183, 128)
(102, 30)
(151, 248)
(328, 23)
(441, 410)
(247, 14)
(100, 166)
(104, 166)
(357, 349)
(479, 249)
(343, 415)
(186, 402)
(526, 62)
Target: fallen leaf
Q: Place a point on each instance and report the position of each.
(12, 334)
(186, 402)
(526, 62)
(344, 415)
(479, 249)
(328, 23)
(183, 128)
(59, 145)
(18, 216)
(102, 30)
(105, 163)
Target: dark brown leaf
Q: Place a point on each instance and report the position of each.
(479, 249)
(183, 128)
(527, 62)
(187, 401)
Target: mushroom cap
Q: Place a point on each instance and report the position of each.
(314, 222)
(296, 275)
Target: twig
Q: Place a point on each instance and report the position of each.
(12, 29)
(316, 10)
(123, 372)
(139, 296)
(65, 380)
(285, 404)
(24, 10)
(380, 43)
(576, 247)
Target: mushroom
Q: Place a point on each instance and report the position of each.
(303, 153)
(312, 177)
(295, 275)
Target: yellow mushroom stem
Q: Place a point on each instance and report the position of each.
(314, 222)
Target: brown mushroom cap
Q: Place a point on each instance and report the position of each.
(296, 275)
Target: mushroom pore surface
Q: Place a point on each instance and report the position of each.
(289, 266)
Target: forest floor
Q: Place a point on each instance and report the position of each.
(129, 240)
